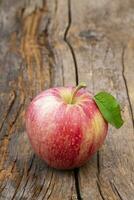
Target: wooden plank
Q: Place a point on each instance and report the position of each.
(34, 56)
(56, 40)
(97, 35)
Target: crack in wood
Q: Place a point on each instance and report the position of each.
(117, 192)
(21, 178)
(18, 185)
(125, 82)
(68, 43)
(27, 176)
(32, 160)
(41, 188)
(24, 188)
(14, 165)
(15, 192)
(76, 176)
(99, 189)
(2, 188)
(10, 105)
(48, 186)
(16, 117)
(51, 191)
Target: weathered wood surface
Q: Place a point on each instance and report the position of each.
(51, 43)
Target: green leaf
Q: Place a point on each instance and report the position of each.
(110, 108)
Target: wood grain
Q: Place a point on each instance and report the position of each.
(101, 60)
(52, 43)
(31, 63)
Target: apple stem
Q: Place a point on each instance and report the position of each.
(81, 85)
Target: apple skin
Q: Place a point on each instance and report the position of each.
(65, 135)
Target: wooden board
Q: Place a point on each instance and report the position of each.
(102, 60)
(29, 64)
(51, 43)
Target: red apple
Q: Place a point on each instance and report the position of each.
(65, 126)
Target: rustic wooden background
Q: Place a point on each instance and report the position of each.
(62, 42)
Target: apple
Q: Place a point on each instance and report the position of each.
(65, 126)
